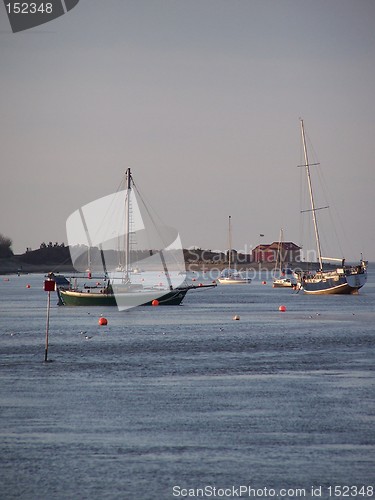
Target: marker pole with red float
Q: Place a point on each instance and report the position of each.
(49, 286)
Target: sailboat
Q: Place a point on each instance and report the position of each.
(230, 276)
(104, 231)
(341, 280)
(284, 277)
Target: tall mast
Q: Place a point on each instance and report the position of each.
(127, 224)
(230, 241)
(313, 209)
(278, 264)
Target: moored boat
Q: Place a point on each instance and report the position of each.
(106, 297)
(287, 279)
(233, 277)
(342, 280)
(230, 276)
(108, 241)
(284, 277)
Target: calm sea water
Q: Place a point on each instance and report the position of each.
(186, 397)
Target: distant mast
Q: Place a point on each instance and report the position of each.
(230, 242)
(313, 209)
(279, 260)
(127, 224)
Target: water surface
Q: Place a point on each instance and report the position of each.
(184, 395)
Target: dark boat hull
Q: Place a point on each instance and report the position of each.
(170, 298)
(337, 284)
(72, 298)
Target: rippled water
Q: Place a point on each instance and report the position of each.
(184, 395)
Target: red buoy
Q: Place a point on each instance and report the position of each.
(28, 286)
(264, 282)
(282, 308)
(103, 321)
(155, 302)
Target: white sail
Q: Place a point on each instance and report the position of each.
(119, 224)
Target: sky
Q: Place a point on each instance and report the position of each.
(202, 99)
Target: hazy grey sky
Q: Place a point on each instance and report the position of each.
(202, 99)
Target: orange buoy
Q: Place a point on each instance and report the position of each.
(282, 308)
(236, 317)
(28, 286)
(103, 321)
(155, 302)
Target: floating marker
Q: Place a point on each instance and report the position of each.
(155, 302)
(236, 317)
(264, 282)
(282, 308)
(103, 321)
(28, 286)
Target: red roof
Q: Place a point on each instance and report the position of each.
(286, 245)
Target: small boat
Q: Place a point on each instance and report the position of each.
(230, 276)
(341, 280)
(287, 279)
(105, 232)
(285, 276)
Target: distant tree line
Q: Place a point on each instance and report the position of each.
(52, 245)
(5, 246)
(48, 253)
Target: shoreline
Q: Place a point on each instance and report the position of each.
(58, 260)
(15, 265)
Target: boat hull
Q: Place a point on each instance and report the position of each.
(231, 276)
(126, 299)
(76, 298)
(283, 284)
(338, 284)
(234, 281)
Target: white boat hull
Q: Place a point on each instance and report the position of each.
(283, 283)
(234, 281)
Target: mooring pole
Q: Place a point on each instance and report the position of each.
(47, 325)
(49, 285)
